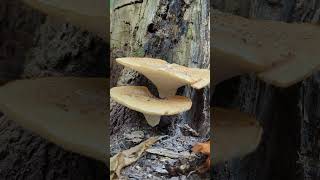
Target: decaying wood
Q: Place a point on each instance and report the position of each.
(32, 46)
(290, 117)
(176, 31)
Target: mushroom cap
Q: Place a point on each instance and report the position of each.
(90, 15)
(234, 134)
(139, 98)
(70, 112)
(283, 53)
(160, 71)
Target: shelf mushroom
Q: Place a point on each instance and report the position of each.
(89, 15)
(139, 98)
(165, 76)
(235, 134)
(280, 53)
(70, 112)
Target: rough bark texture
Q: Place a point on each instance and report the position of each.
(290, 117)
(32, 46)
(173, 30)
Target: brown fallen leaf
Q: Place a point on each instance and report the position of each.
(203, 148)
(129, 156)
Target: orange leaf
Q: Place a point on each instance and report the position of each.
(203, 148)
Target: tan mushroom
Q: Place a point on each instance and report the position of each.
(139, 98)
(89, 15)
(70, 112)
(167, 77)
(235, 134)
(281, 53)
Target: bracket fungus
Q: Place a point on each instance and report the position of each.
(89, 15)
(139, 98)
(234, 134)
(165, 76)
(69, 112)
(280, 53)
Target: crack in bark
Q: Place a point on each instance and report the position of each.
(131, 2)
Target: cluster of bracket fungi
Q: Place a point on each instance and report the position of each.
(279, 53)
(167, 78)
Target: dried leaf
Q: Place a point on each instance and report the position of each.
(129, 156)
(203, 148)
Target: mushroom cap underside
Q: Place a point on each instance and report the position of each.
(70, 112)
(266, 47)
(235, 134)
(86, 14)
(161, 71)
(139, 98)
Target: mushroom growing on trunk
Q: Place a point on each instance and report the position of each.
(280, 53)
(89, 15)
(139, 98)
(167, 77)
(235, 134)
(70, 112)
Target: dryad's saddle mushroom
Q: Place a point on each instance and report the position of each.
(139, 98)
(89, 15)
(70, 112)
(167, 77)
(281, 53)
(234, 134)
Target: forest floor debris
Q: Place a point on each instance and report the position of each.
(129, 156)
(168, 158)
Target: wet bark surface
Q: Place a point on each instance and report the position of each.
(178, 32)
(32, 45)
(290, 117)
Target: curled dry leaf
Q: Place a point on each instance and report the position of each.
(203, 148)
(129, 156)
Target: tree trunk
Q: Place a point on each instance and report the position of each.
(31, 46)
(290, 145)
(178, 32)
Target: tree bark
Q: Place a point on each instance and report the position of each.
(32, 46)
(178, 32)
(290, 117)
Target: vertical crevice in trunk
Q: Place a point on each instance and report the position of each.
(310, 133)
